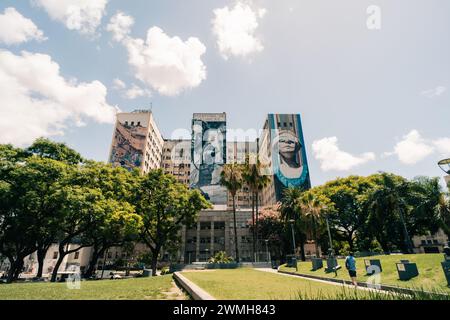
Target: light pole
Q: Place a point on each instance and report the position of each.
(292, 221)
(267, 250)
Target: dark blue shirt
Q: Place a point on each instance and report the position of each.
(350, 262)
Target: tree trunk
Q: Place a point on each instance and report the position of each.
(383, 245)
(155, 254)
(41, 253)
(350, 242)
(302, 248)
(12, 270)
(19, 268)
(235, 229)
(61, 256)
(93, 262)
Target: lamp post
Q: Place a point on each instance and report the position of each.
(292, 221)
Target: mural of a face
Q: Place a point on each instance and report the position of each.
(287, 152)
(209, 155)
(289, 147)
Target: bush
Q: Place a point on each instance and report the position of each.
(165, 270)
(221, 257)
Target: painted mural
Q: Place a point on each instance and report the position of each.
(290, 165)
(128, 146)
(208, 154)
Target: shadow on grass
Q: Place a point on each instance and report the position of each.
(356, 294)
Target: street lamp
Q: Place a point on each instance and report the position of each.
(292, 221)
(445, 166)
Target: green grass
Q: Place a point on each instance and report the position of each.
(431, 276)
(249, 284)
(126, 289)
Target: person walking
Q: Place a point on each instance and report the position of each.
(350, 264)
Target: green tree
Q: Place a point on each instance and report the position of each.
(312, 207)
(290, 210)
(349, 212)
(59, 152)
(443, 210)
(46, 148)
(29, 212)
(256, 181)
(387, 209)
(275, 231)
(116, 225)
(165, 205)
(400, 209)
(118, 222)
(231, 178)
(82, 208)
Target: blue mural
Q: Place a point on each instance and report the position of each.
(289, 161)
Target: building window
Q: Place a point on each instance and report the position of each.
(77, 255)
(55, 255)
(219, 225)
(132, 123)
(205, 226)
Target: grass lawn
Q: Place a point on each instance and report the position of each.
(126, 289)
(249, 284)
(431, 275)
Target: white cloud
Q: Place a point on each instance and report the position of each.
(137, 92)
(331, 157)
(81, 15)
(16, 29)
(37, 101)
(119, 84)
(442, 145)
(412, 148)
(120, 25)
(166, 64)
(235, 30)
(130, 93)
(434, 93)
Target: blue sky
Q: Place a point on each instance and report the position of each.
(370, 99)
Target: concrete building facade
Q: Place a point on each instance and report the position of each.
(137, 142)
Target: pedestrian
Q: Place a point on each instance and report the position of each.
(350, 264)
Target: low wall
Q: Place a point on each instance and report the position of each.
(191, 288)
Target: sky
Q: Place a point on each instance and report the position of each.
(371, 79)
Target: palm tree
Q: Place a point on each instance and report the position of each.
(231, 178)
(290, 210)
(256, 182)
(387, 207)
(312, 207)
(443, 209)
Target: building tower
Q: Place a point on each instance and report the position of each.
(137, 142)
